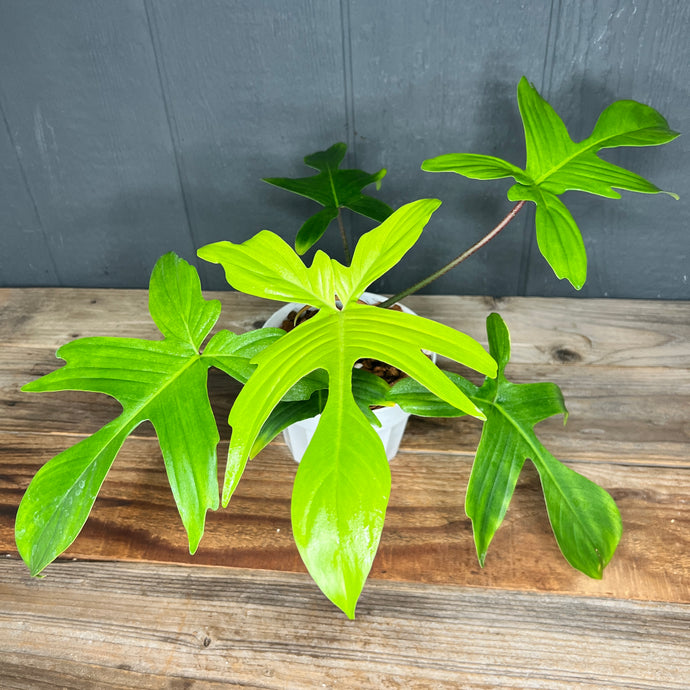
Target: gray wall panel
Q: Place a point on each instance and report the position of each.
(440, 77)
(25, 258)
(251, 89)
(141, 126)
(83, 100)
(607, 50)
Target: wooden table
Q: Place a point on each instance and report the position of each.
(128, 607)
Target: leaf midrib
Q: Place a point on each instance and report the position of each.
(541, 462)
(594, 145)
(132, 418)
(332, 184)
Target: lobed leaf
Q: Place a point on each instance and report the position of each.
(342, 485)
(584, 517)
(161, 381)
(334, 341)
(334, 189)
(556, 164)
(266, 266)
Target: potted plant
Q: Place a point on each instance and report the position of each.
(341, 487)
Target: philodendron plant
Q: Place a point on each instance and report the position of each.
(342, 485)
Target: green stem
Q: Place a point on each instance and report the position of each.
(343, 236)
(457, 260)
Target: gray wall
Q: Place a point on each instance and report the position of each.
(133, 127)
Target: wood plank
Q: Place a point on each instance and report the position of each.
(51, 317)
(134, 625)
(627, 390)
(633, 416)
(426, 538)
(626, 382)
(543, 330)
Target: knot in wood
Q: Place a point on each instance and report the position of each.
(565, 355)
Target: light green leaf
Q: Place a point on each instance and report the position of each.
(161, 381)
(176, 305)
(558, 237)
(339, 506)
(556, 164)
(357, 332)
(61, 495)
(328, 498)
(266, 266)
(334, 189)
(474, 166)
(382, 248)
(334, 342)
(629, 123)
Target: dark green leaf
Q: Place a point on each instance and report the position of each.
(584, 517)
(286, 413)
(334, 189)
(416, 399)
(368, 390)
(313, 228)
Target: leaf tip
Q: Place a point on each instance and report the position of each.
(479, 414)
(348, 609)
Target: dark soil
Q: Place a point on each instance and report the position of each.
(387, 372)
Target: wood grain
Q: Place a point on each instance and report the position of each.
(119, 625)
(628, 430)
(543, 330)
(247, 614)
(426, 538)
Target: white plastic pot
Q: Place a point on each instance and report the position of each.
(393, 420)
